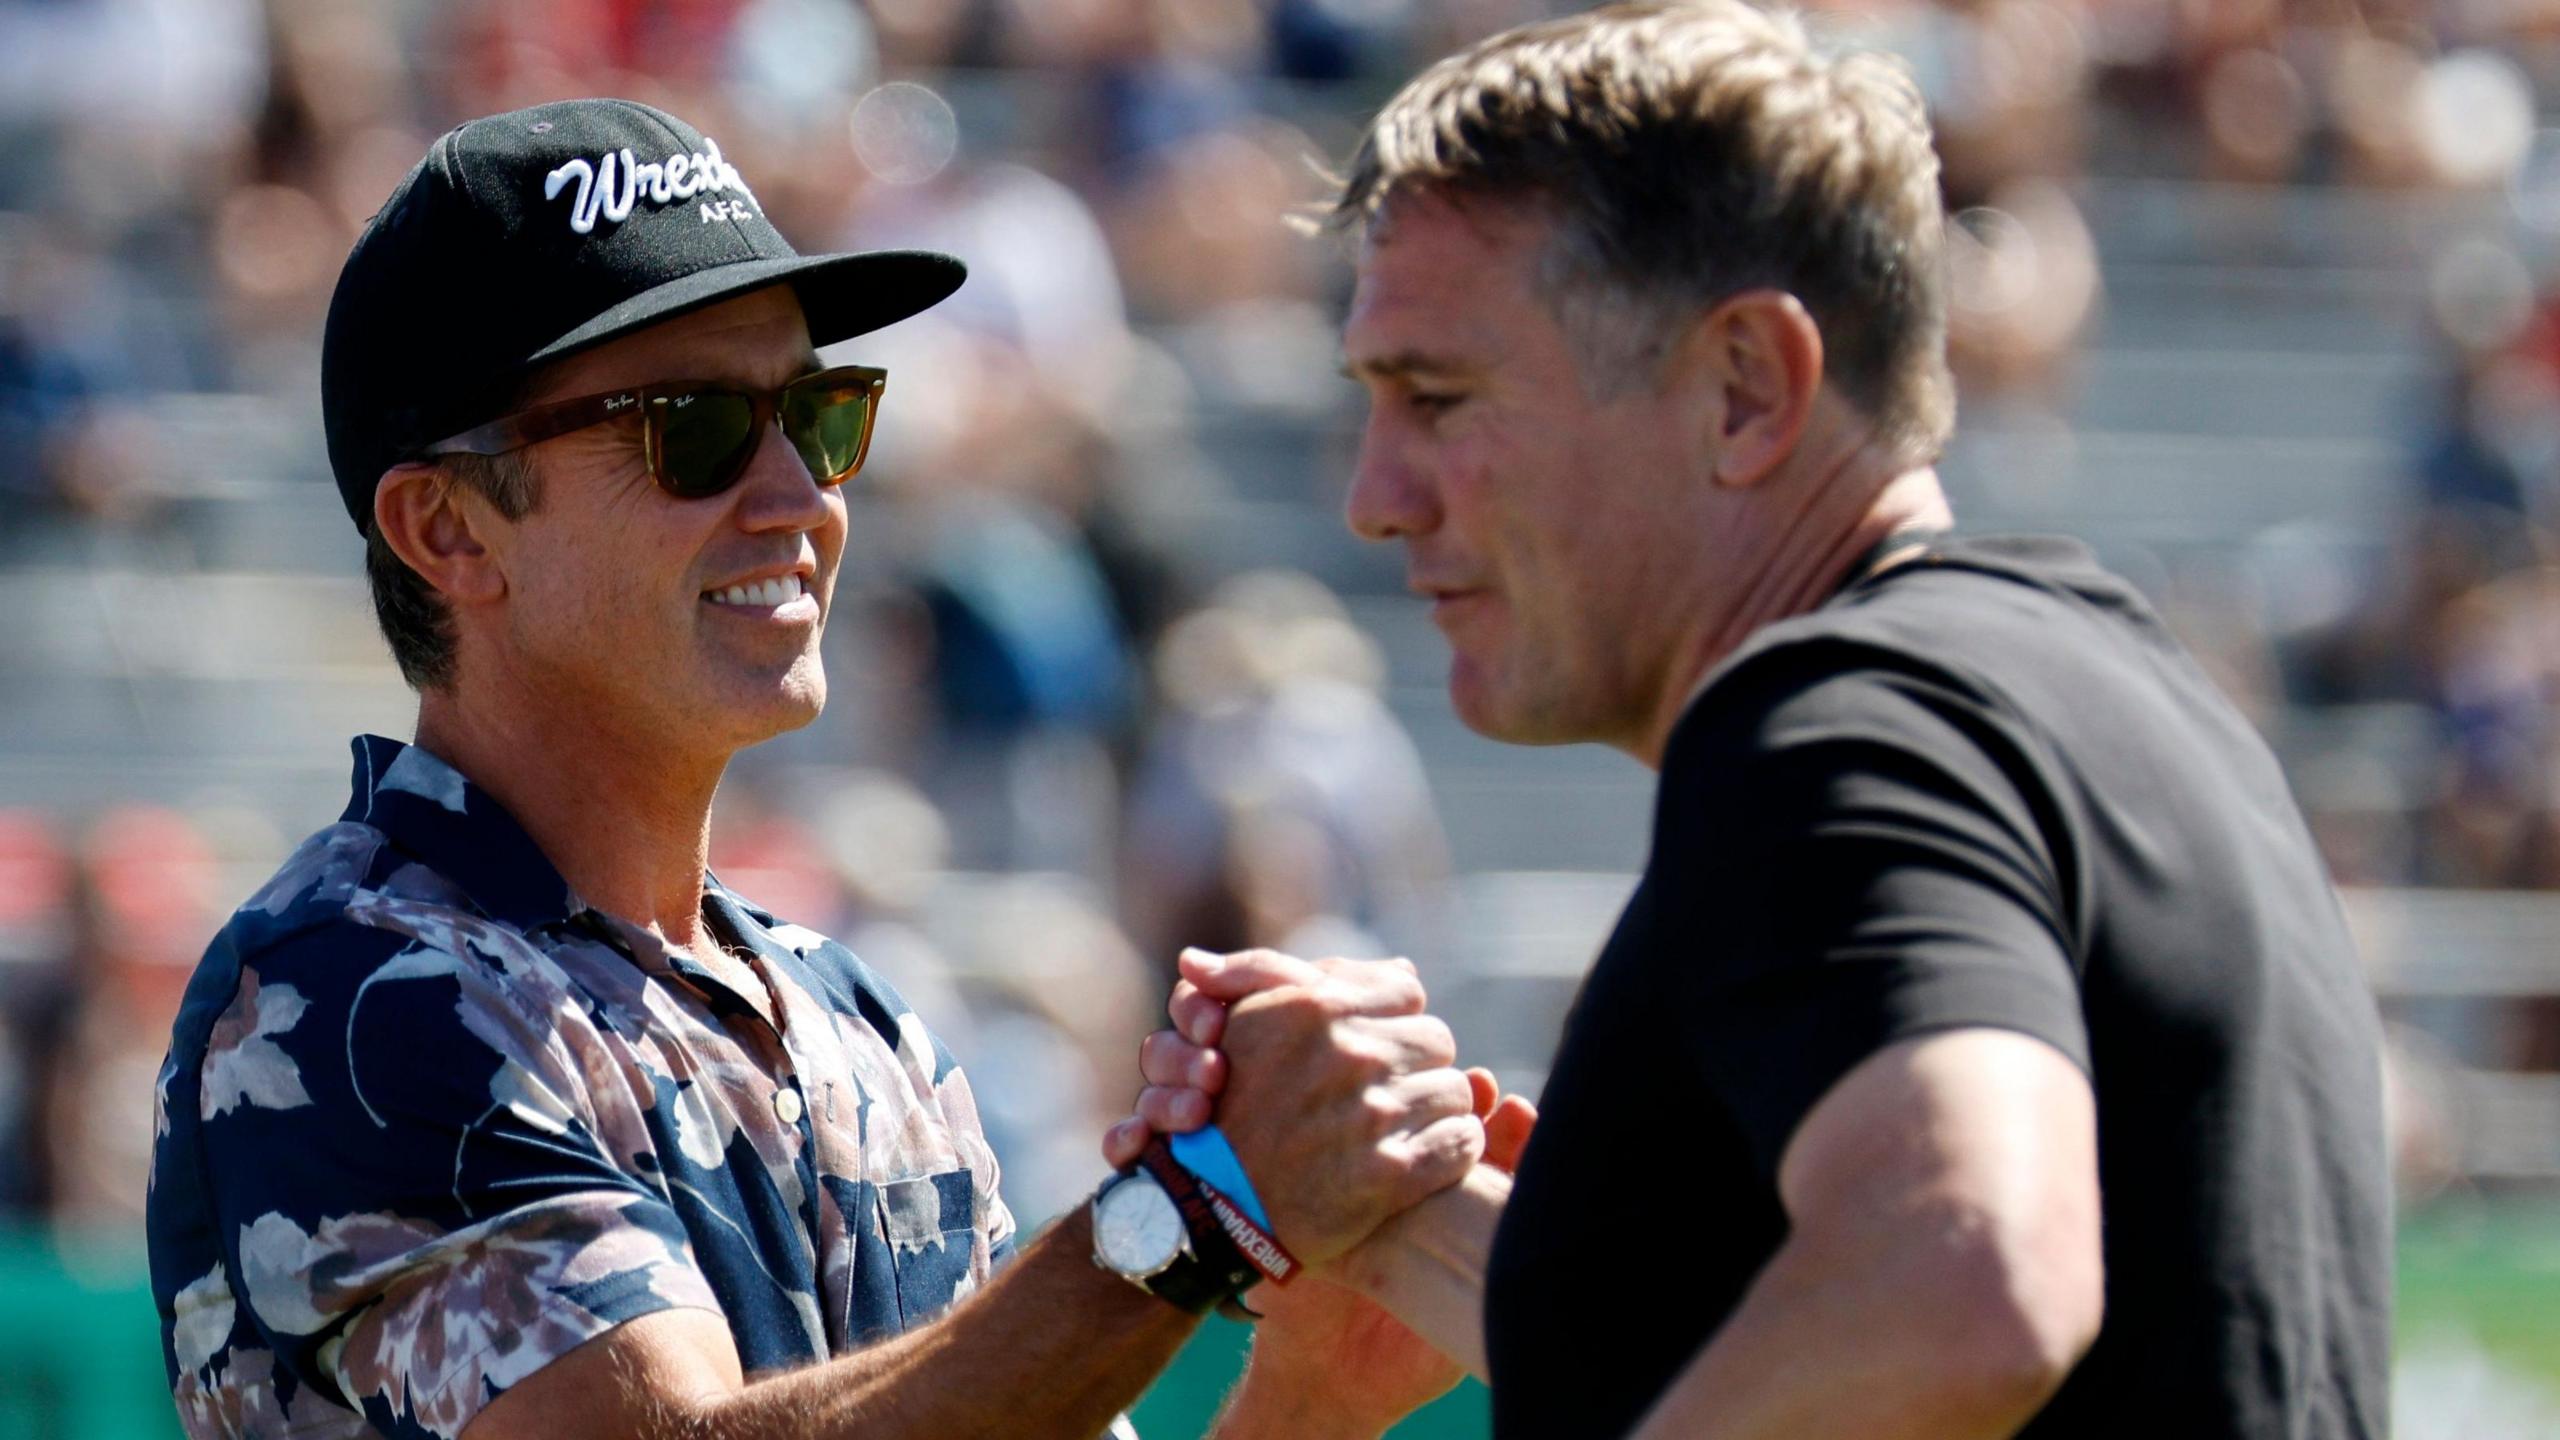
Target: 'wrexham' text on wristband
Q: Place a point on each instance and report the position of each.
(1201, 1204)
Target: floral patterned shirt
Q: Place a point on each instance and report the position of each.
(429, 1121)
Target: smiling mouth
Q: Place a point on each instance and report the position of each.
(762, 594)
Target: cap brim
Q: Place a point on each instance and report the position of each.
(842, 295)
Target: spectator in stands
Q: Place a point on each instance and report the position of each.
(149, 894)
(36, 976)
(1278, 802)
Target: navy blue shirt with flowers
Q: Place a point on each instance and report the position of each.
(429, 1122)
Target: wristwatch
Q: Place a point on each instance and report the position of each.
(1141, 1234)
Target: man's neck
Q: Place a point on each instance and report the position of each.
(626, 823)
(1827, 521)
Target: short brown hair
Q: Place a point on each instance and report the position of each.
(1690, 150)
(414, 618)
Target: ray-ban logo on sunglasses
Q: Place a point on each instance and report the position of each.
(620, 402)
(614, 182)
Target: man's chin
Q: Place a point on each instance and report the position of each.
(796, 717)
(801, 699)
(1499, 712)
(778, 705)
(1481, 706)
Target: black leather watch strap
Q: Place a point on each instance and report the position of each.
(1211, 1269)
(1199, 1284)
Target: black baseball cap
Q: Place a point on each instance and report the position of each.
(525, 237)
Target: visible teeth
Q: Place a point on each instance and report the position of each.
(781, 590)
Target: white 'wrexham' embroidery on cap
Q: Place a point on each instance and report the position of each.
(679, 177)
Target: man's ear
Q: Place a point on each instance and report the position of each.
(1762, 355)
(428, 522)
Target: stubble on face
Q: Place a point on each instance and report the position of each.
(607, 615)
(1532, 512)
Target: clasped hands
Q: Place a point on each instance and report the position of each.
(1341, 1095)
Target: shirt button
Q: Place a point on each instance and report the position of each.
(786, 1103)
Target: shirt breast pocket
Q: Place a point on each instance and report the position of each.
(930, 1221)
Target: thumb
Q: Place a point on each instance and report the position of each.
(1122, 1143)
(1245, 972)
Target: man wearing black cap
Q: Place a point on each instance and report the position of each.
(493, 1113)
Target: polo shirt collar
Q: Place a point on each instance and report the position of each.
(453, 827)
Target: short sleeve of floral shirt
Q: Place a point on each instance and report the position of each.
(429, 1122)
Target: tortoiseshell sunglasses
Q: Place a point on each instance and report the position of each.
(700, 434)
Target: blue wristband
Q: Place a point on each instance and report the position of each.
(1206, 1153)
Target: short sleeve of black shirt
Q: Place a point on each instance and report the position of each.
(1856, 845)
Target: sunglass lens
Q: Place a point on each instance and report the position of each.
(704, 440)
(827, 423)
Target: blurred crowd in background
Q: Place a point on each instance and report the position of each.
(1108, 678)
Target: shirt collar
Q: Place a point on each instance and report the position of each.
(453, 827)
(432, 812)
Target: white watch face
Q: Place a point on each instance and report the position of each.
(1136, 1229)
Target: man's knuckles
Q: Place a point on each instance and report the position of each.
(1408, 1103)
(1385, 1111)
(1375, 987)
(1278, 1019)
(1427, 1040)
(1293, 1043)
(1440, 1155)
(1245, 974)
(1300, 1009)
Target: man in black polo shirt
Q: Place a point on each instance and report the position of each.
(1982, 1052)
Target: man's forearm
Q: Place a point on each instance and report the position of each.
(1321, 1372)
(1426, 1266)
(1053, 1347)
(1269, 1405)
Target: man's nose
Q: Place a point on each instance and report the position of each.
(1391, 495)
(777, 490)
